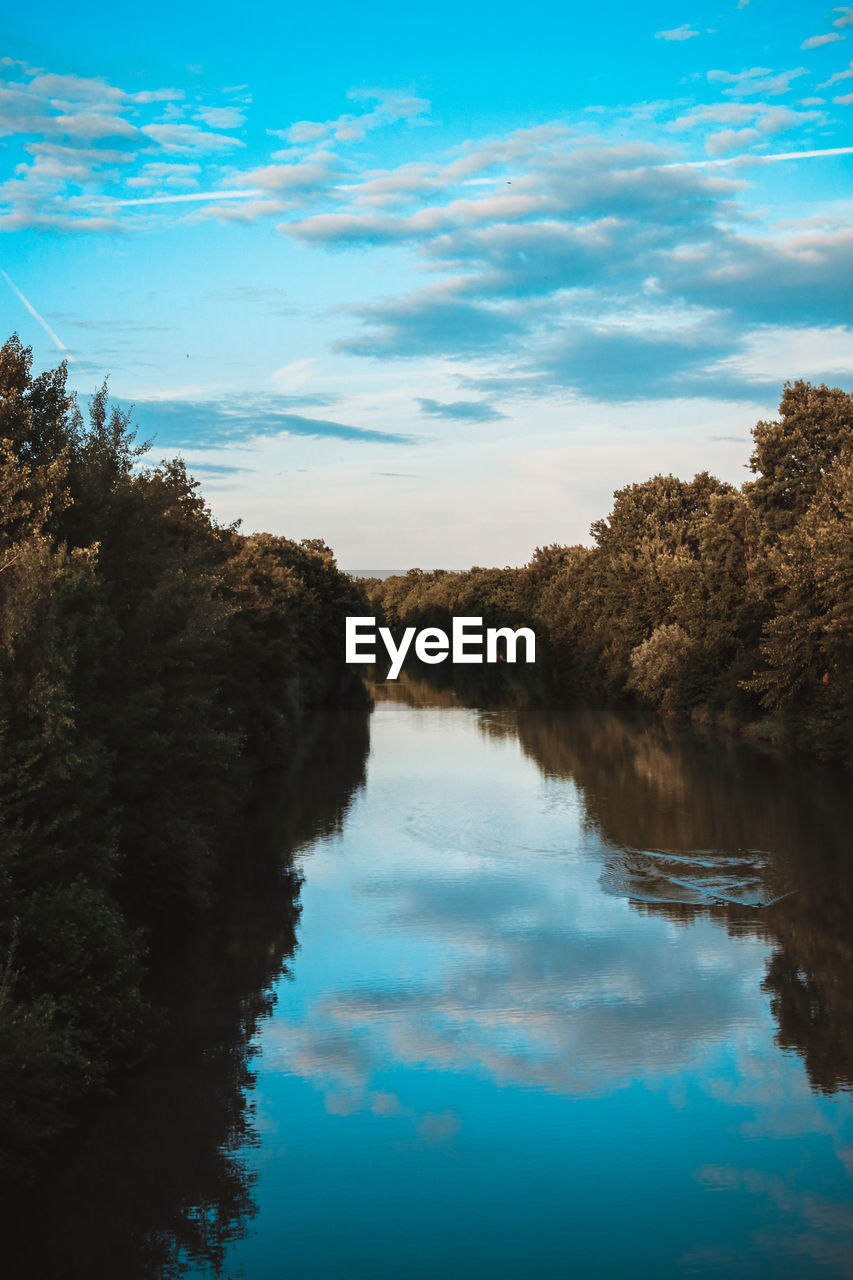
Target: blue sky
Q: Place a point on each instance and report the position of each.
(432, 283)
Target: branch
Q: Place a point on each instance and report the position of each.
(10, 562)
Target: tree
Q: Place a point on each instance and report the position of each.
(793, 454)
(808, 643)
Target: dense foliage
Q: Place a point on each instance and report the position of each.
(730, 605)
(150, 659)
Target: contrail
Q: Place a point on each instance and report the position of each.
(183, 197)
(36, 316)
(780, 155)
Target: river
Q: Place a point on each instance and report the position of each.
(541, 994)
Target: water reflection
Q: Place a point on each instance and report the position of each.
(161, 1181)
(810, 982)
(756, 822)
(531, 977)
(575, 987)
(702, 825)
(709, 821)
(460, 959)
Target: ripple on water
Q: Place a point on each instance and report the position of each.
(701, 877)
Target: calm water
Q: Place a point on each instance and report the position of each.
(550, 994)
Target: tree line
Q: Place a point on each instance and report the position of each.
(153, 663)
(730, 605)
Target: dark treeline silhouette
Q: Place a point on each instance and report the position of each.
(157, 1179)
(152, 662)
(731, 605)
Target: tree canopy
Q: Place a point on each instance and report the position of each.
(151, 662)
(731, 605)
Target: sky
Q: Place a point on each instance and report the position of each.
(431, 283)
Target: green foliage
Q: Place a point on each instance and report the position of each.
(149, 658)
(808, 643)
(793, 456)
(730, 605)
(288, 602)
(659, 664)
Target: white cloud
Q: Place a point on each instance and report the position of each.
(23, 217)
(94, 125)
(308, 175)
(585, 227)
(727, 140)
(66, 163)
(756, 80)
(759, 118)
(160, 173)
(771, 353)
(82, 89)
(155, 95)
(75, 88)
(716, 113)
(777, 119)
(815, 42)
(221, 117)
(83, 132)
(684, 32)
(245, 211)
(303, 131)
(847, 74)
(188, 138)
(391, 106)
(846, 19)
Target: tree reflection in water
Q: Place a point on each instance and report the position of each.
(159, 1176)
(681, 825)
(698, 823)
